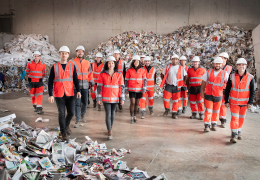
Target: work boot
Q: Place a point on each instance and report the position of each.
(184, 110)
(142, 114)
(63, 136)
(83, 118)
(132, 120)
(207, 128)
(99, 107)
(239, 135)
(174, 116)
(120, 107)
(35, 109)
(166, 112)
(234, 137)
(68, 130)
(151, 110)
(179, 112)
(109, 134)
(214, 127)
(94, 103)
(77, 124)
(39, 110)
(223, 123)
(201, 117)
(135, 120)
(193, 116)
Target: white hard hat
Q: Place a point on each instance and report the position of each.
(224, 54)
(99, 55)
(241, 61)
(80, 48)
(111, 58)
(136, 57)
(175, 56)
(147, 58)
(183, 58)
(143, 56)
(218, 60)
(36, 53)
(64, 48)
(195, 58)
(116, 51)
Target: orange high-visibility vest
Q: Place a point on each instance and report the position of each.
(135, 79)
(110, 89)
(63, 80)
(240, 90)
(195, 76)
(121, 65)
(36, 71)
(179, 76)
(215, 85)
(150, 78)
(96, 70)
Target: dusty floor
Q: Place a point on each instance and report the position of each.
(179, 148)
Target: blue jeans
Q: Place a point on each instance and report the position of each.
(81, 104)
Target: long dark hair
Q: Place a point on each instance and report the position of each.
(105, 68)
(133, 66)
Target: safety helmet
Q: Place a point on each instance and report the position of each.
(116, 51)
(175, 56)
(195, 58)
(183, 58)
(218, 60)
(136, 57)
(80, 48)
(147, 58)
(224, 54)
(64, 48)
(99, 55)
(111, 58)
(37, 53)
(241, 61)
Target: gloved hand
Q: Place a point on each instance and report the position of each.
(29, 85)
(144, 90)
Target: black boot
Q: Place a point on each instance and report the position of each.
(184, 110)
(179, 112)
(174, 116)
(207, 128)
(35, 109)
(193, 116)
(120, 107)
(94, 103)
(166, 112)
(234, 137)
(40, 110)
(151, 110)
(223, 123)
(99, 107)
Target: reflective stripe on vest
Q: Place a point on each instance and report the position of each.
(121, 66)
(57, 79)
(79, 72)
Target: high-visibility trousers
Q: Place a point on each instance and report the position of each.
(171, 92)
(238, 114)
(93, 94)
(143, 100)
(196, 99)
(223, 109)
(211, 111)
(183, 99)
(36, 96)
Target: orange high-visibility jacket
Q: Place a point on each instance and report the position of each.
(36, 71)
(110, 89)
(121, 65)
(228, 69)
(215, 86)
(150, 78)
(195, 76)
(240, 90)
(96, 70)
(135, 80)
(179, 76)
(63, 80)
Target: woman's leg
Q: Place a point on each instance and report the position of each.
(132, 106)
(107, 107)
(113, 111)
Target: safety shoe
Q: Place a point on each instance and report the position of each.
(239, 135)
(109, 134)
(184, 110)
(77, 124)
(223, 123)
(132, 120)
(214, 127)
(151, 110)
(63, 136)
(166, 112)
(99, 107)
(94, 103)
(142, 114)
(83, 118)
(39, 110)
(179, 112)
(35, 109)
(68, 130)
(174, 116)
(135, 120)
(120, 107)
(201, 117)
(207, 128)
(193, 116)
(234, 137)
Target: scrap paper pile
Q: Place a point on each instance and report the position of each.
(32, 153)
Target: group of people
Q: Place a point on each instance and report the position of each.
(210, 91)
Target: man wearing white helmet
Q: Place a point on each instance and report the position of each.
(97, 67)
(240, 92)
(174, 76)
(151, 81)
(214, 81)
(229, 70)
(60, 86)
(142, 60)
(85, 77)
(36, 70)
(194, 85)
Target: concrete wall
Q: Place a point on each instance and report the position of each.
(89, 22)
(4, 38)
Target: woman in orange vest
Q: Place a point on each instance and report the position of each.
(240, 92)
(60, 86)
(135, 82)
(110, 85)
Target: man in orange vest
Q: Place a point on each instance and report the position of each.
(60, 86)
(240, 92)
(184, 91)
(194, 85)
(85, 77)
(213, 80)
(174, 76)
(229, 70)
(97, 67)
(36, 70)
(151, 81)
(121, 68)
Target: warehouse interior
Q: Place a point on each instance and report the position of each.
(160, 146)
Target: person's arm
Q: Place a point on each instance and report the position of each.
(99, 87)
(122, 86)
(145, 81)
(163, 73)
(90, 77)
(154, 78)
(227, 91)
(28, 68)
(252, 91)
(126, 80)
(44, 71)
(75, 79)
(203, 86)
(124, 71)
(50, 81)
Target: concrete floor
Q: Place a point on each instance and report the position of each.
(179, 148)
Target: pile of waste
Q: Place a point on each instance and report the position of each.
(34, 153)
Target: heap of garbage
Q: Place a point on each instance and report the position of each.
(34, 153)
